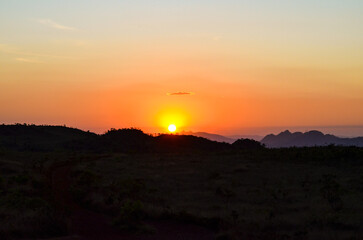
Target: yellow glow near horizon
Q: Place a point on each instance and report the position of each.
(169, 118)
(172, 128)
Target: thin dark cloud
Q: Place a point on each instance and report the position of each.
(179, 93)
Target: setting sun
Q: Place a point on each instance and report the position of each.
(173, 118)
(172, 128)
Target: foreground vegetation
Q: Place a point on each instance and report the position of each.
(26, 205)
(269, 194)
(240, 191)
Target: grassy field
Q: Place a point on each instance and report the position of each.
(311, 193)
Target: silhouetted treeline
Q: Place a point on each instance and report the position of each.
(60, 138)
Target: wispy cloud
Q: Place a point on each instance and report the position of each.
(179, 93)
(52, 24)
(28, 60)
(13, 50)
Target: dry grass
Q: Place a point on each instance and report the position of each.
(251, 194)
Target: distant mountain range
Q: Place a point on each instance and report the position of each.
(287, 139)
(221, 138)
(308, 139)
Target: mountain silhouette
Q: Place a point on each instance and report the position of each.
(220, 138)
(308, 139)
(211, 136)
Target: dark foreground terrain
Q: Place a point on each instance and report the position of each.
(63, 183)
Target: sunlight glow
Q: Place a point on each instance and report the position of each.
(169, 116)
(172, 128)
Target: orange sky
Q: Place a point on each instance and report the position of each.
(91, 67)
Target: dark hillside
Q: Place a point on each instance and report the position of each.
(185, 143)
(242, 144)
(24, 137)
(130, 140)
(125, 140)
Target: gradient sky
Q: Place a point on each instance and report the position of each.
(259, 64)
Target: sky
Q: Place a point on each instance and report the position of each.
(227, 67)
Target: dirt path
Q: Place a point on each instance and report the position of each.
(85, 224)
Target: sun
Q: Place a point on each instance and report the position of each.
(172, 128)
